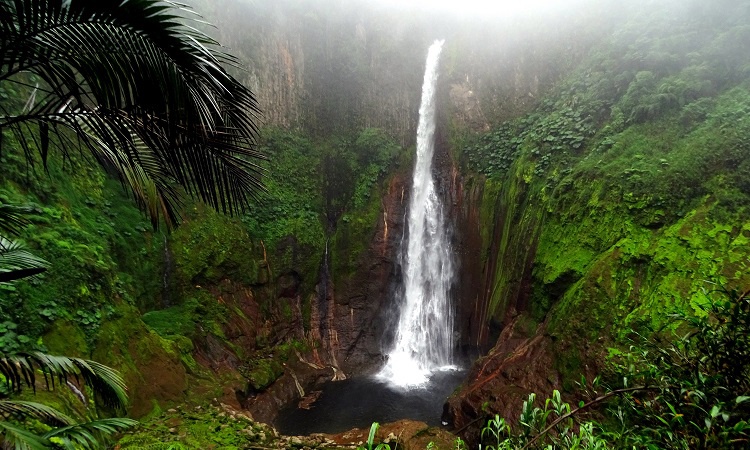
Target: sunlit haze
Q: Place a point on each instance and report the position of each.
(482, 7)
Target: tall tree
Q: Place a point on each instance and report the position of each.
(139, 87)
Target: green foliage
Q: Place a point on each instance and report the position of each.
(199, 315)
(20, 369)
(15, 261)
(551, 135)
(699, 379)
(89, 435)
(177, 320)
(627, 185)
(370, 444)
(262, 369)
(99, 247)
(293, 205)
(199, 427)
(375, 152)
(318, 187)
(22, 420)
(551, 426)
(210, 247)
(352, 169)
(686, 389)
(495, 151)
(180, 119)
(495, 434)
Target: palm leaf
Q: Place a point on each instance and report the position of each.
(145, 93)
(21, 369)
(23, 409)
(18, 438)
(89, 435)
(12, 218)
(17, 263)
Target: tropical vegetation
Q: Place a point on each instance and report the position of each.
(603, 195)
(33, 425)
(688, 388)
(147, 95)
(151, 100)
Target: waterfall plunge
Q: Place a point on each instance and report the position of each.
(424, 337)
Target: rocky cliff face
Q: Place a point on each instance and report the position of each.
(359, 305)
(334, 65)
(325, 66)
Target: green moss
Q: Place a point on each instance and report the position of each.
(263, 373)
(513, 220)
(210, 427)
(150, 364)
(649, 274)
(354, 235)
(99, 246)
(263, 369)
(210, 247)
(185, 347)
(197, 428)
(176, 320)
(570, 368)
(490, 195)
(64, 338)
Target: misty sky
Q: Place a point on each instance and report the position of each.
(483, 7)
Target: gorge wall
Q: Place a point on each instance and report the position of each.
(330, 70)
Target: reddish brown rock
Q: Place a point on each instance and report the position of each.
(500, 382)
(298, 380)
(407, 434)
(354, 314)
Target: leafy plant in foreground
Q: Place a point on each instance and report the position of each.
(701, 381)
(689, 392)
(551, 426)
(370, 444)
(15, 261)
(18, 429)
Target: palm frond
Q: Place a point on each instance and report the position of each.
(90, 435)
(145, 93)
(12, 218)
(17, 263)
(24, 409)
(17, 438)
(21, 369)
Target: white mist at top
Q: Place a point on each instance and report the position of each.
(424, 336)
(482, 8)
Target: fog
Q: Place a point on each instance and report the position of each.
(484, 8)
(333, 65)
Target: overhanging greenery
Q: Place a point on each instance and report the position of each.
(145, 93)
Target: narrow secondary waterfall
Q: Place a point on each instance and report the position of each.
(424, 337)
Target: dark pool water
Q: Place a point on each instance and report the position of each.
(357, 402)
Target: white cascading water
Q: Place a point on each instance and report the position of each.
(424, 337)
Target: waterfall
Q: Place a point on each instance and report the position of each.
(423, 342)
